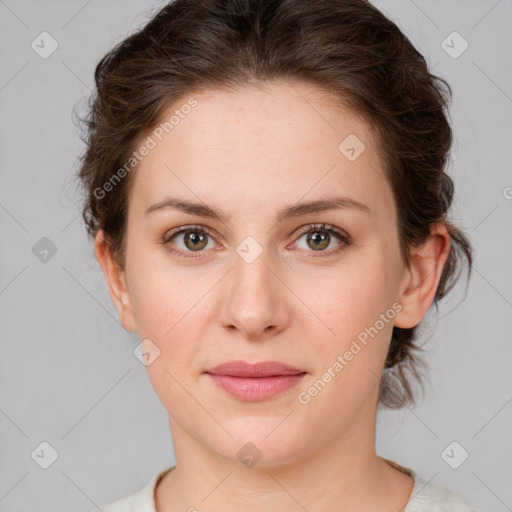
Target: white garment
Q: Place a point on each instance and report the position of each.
(424, 497)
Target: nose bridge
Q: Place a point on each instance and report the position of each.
(255, 299)
(252, 270)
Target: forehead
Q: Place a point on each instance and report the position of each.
(277, 112)
(277, 139)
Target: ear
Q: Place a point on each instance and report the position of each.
(115, 278)
(422, 277)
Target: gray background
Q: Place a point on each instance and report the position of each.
(68, 373)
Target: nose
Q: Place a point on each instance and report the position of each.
(255, 299)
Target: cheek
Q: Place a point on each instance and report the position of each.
(159, 298)
(350, 356)
(166, 311)
(352, 300)
(355, 306)
(169, 308)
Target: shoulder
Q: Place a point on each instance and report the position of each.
(429, 497)
(140, 501)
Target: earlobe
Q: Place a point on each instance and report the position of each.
(115, 278)
(422, 277)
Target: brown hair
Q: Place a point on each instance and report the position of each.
(345, 47)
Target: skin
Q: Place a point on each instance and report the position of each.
(249, 153)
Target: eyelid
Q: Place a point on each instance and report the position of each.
(322, 227)
(199, 227)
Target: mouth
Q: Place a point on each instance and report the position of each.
(255, 382)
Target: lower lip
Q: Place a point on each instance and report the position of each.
(256, 389)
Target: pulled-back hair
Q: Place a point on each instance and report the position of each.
(345, 47)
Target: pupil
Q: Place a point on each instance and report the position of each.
(318, 237)
(195, 239)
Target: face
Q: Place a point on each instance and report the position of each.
(266, 281)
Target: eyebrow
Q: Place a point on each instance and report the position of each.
(289, 212)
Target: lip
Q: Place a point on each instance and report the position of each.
(245, 369)
(255, 382)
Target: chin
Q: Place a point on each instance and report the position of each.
(258, 443)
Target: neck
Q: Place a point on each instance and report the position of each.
(344, 474)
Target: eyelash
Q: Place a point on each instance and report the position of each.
(310, 228)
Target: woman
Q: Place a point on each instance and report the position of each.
(265, 184)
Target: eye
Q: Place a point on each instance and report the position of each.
(187, 240)
(193, 239)
(320, 236)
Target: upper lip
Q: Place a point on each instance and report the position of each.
(245, 369)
